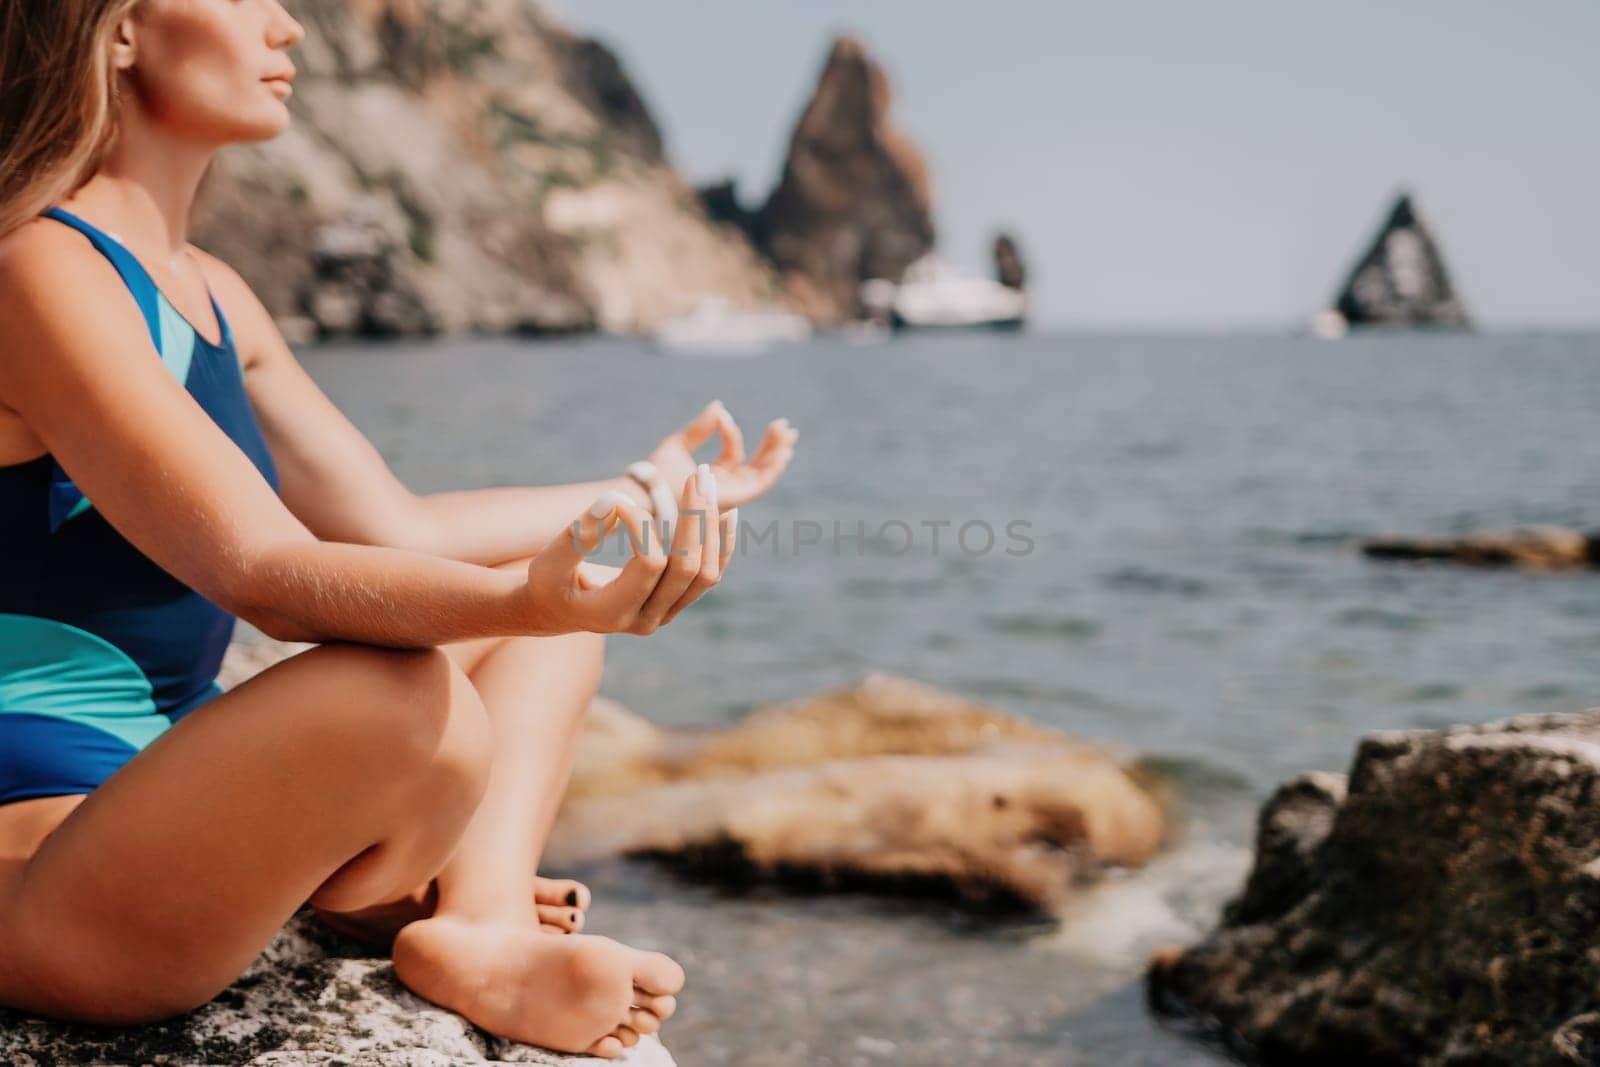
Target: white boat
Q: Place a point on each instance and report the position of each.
(934, 295)
(717, 327)
(1328, 325)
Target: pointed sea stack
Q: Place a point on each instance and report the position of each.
(1401, 279)
(854, 200)
(1008, 268)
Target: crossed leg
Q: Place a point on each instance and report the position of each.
(536, 691)
(346, 776)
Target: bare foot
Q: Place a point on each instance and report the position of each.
(582, 993)
(560, 903)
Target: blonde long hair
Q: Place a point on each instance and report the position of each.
(58, 97)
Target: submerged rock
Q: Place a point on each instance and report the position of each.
(890, 785)
(1536, 548)
(1437, 907)
(1401, 279)
(311, 998)
(853, 202)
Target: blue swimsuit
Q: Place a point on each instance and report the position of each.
(100, 649)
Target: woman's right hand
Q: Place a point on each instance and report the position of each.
(566, 593)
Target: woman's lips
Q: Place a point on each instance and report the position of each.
(280, 85)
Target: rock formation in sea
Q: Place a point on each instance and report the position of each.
(889, 785)
(1533, 548)
(465, 166)
(311, 999)
(1008, 268)
(1437, 906)
(1401, 280)
(854, 200)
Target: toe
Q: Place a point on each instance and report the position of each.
(568, 919)
(561, 892)
(607, 1048)
(661, 1007)
(643, 1021)
(657, 973)
(627, 1035)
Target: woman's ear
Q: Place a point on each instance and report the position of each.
(123, 51)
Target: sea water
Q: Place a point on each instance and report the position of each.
(1189, 592)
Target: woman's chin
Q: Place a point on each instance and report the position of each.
(265, 127)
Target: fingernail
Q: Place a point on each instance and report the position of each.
(572, 896)
(605, 502)
(716, 404)
(733, 520)
(704, 482)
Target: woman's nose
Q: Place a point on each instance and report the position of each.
(287, 32)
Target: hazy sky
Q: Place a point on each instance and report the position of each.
(1173, 162)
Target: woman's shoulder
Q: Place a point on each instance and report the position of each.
(48, 272)
(41, 244)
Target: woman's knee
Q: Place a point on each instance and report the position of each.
(411, 711)
(585, 654)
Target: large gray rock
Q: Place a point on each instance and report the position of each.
(1401, 279)
(311, 998)
(1439, 909)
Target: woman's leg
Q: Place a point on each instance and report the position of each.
(537, 690)
(341, 775)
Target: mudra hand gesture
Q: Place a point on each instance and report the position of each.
(567, 593)
(739, 480)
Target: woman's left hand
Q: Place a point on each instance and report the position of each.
(738, 479)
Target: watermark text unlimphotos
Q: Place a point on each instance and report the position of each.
(789, 538)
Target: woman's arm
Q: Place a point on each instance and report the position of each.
(333, 478)
(92, 387)
(493, 525)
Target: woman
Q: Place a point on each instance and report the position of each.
(165, 467)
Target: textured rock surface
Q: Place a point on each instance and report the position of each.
(888, 785)
(853, 201)
(464, 165)
(1537, 548)
(310, 999)
(1439, 909)
(1401, 279)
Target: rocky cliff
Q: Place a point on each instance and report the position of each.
(1401, 279)
(461, 165)
(1438, 906)
(854, 200)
